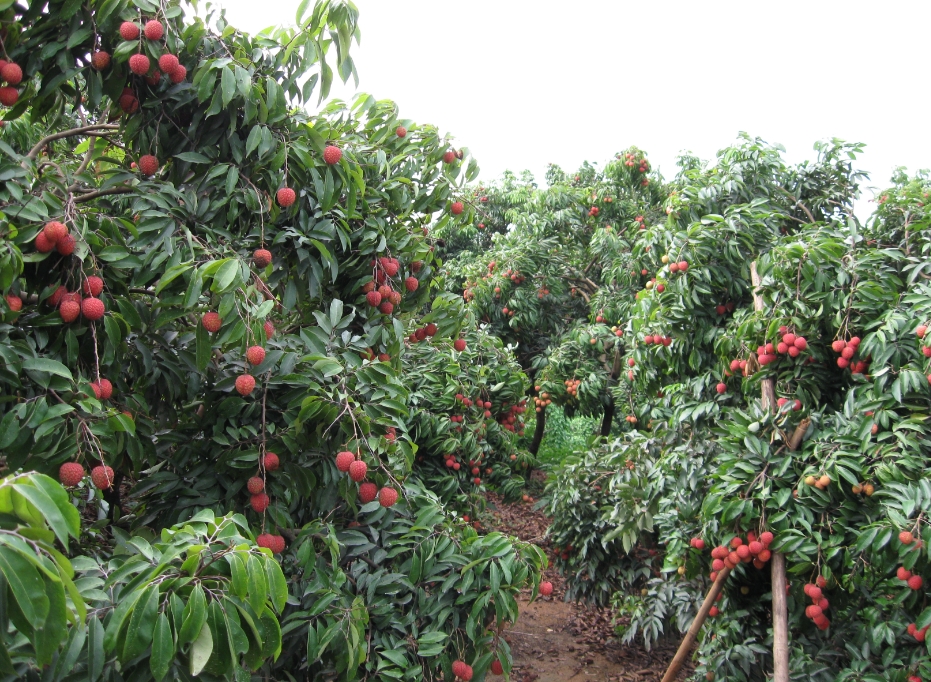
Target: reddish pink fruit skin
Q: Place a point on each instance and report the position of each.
(70, 473)
(367, 492)
(344, 460)
(357, 470)
(271, 462)
(387, 497)
(332, 155)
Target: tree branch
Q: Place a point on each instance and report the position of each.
(102, 193)
(34, 152)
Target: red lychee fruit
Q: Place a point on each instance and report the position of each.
(357, 470)
(457, 208)
(244, 384)
(915, 582)
(102, 388)
(259, 503)
(154, 77)
(178, 74)
(269, 329)
(65, 245)
(387, 307)
(15, 302)
(411, 283)
(430, 329)
(721, 388)
(148, 165)
(459, 668)
(903, 573)
(270, 461)
(344, 460)
(212, 322)
(401, 131)
(373, 298)
(93, 286)
(168, 63)
(285, 197)
(129, 103)
(100, 60)
(255, 355)
(43, 245)
(8, 96)
(449, 156)
(92, 308)
(497, 668)
(55, 231)
(154, 30)
(255, 485)
(332, 154)
(70, 474)
(139, 64)
(459, 345)
(261, 258)
(906, 538)
(69, 311)
(12, 73)
(367, 492)
(266, 540)
(387, 497)
(546, 588)
(102, 477)
(129, 30)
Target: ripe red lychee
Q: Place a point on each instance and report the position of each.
(129, 30)
(459, 668)
(255, 355)
(269, 329)
(387, 497)
(270, 462)
(683, 265)
(168, 63)
(102, 477)
(906, 538)
(411, 283)
(286, 197)
(178, 74)
(387, 307)
(65, 245)
(154, 30)
(401, 131)
(212, 322)
(43, 245)
(357, 470)
(260, 502)
(344, 460)
(15, 302)
(148, 165)
(721, 388)
(100, 60)
(373, 298)
(449, 156)
(262, 257)
(139, 64)
(497, 668)
(546, 588)
(332, 154)
(915, 582)
(255, 485)
(244, 384)
(367, 492)
(8, 96)
(431, 329)
(266, 540)
(55, 231)
(457, 208)
(129, 103)
(102, 388)
(92, 308)
(93, 286)
(459, 345)
(12, 73)
(70, 474)
(69, 311)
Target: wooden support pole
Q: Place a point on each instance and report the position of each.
(778, 561)
(685, 648)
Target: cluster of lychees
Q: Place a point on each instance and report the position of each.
(259, 501)
(379, 291)
(790, 344)
(755, 550)
(357, 469)
(819, 604)
(72, 473)
(847, 350)
(11, 74)
(921, 332)
(593, 212)
(422, 334)
(657, 340)
(255, 355)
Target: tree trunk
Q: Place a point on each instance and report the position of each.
(538, 432)
(609, 415)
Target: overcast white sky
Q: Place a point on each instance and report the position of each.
(525, 83)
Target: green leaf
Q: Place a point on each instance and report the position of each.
(277, 585)
(141, 624)
(48, 509)
(226, 276)
(193, 157)
(258, 584)
(26, 586)
(204, 347)
(201, 650)
(163, 648)
(227, 85)
(195, 615)
(95, 653)
(46, 365)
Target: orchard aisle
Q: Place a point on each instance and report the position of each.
(553, 641)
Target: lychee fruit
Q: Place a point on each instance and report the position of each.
(269, 329)
(367, 492)
(244, 384)
(69, 311)
(15, 302)
(139, 64)
(255, 355)
(387, 307)
(260, 502)
(255, 485)
(129, 30)
(457, 208)
(459, 668)
(266, 540)
(915, 582)
(154, 77)
(154, 30)
(100, 60)
(92, 308)
(65, 245)
(70, 474)
(43, 245)
(357, 470)
(497, 668)
(332, 154)
(102, 388)
(387, 497)
(168, 63)
(459, 345)
(102, 477)
(148, 165)
(8, 96)
(270, 461)
(431, 329)
(178, 74)
(411, 283)
(401, 131)
(54, 231)
(344, 460)
(373, 298)
(721, 388)
(546, 588)
(262, 257)
(93, 286)
(12, 73)
(285, 197)
(212, 322)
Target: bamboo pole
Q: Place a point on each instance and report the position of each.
(778, 561)
(685, 648)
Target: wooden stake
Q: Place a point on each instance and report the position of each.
(778, 561)
(685, 648)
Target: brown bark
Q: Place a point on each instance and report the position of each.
(538, 432)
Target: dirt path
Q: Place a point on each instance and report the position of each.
(554, 641)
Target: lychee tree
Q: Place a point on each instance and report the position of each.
(190, 262)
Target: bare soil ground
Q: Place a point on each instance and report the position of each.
(555, 641)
